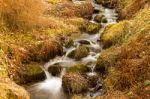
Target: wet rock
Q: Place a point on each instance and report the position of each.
(109, 3)
(98, 1)
(98, 18)
(84, 42)
(81, 52)
(71, 54)
(80, 68)
(104, 20)
(32, 73)
(92, 28)
(10, 90)
(74, 83)
(96, 11)
(55, 70)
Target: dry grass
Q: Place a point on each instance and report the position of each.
(21, 14)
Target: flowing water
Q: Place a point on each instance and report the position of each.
(51, 88)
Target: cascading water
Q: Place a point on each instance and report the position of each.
(51, 88)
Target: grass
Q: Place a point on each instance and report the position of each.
(131, 67)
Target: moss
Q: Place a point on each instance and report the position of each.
(99, 17)
(69, 43)
(74, 83)
(107, 59)
(53, 1)
(92, 28)
(32, 73)
(115, 34)
(81, 52)
(78, 68)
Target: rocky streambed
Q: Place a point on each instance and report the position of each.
(77, 70)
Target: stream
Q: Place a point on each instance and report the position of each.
(51, 88)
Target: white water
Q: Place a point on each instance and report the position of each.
(51, 88)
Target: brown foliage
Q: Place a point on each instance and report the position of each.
(21, 14)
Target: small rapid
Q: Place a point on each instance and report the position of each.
(51, 88)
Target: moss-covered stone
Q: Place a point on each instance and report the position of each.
(98, 1)
(114, 34)
(78, 68)
(104, 20)
(107, 58)
(71, 54)
(55, 70)
(69, 43)
(74, 83)
(98, 18)
(32, 73)
(84, 42)
(92, 28)
(81, 52)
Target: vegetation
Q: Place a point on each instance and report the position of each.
(34, 31)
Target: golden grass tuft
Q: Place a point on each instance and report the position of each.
(21, 14)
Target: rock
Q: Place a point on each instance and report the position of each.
(10, 90)
(104, 20)
(55, 69)
(101, 65)
(109, 3)
(74, 83)
(98, 18)
(98, 1)
(92, 28)
(69, 43)
(71, 54)
(81, 52)
(32, 73)
(84, 42)
(114, 34)
(80, 68)
(96, 11)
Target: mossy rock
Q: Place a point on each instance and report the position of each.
(98, 1)
(114, 34)
(81, 52)
(32, 73)
(92, 28)
(104, 20)
(71, 54)
(55, 70)
(74, 83)
(98, 18)
(78, 68)
(107, 58)
(69, 43)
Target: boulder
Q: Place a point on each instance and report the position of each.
(74, 83)
(55, 69)
(98, 18)
(80, 68)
